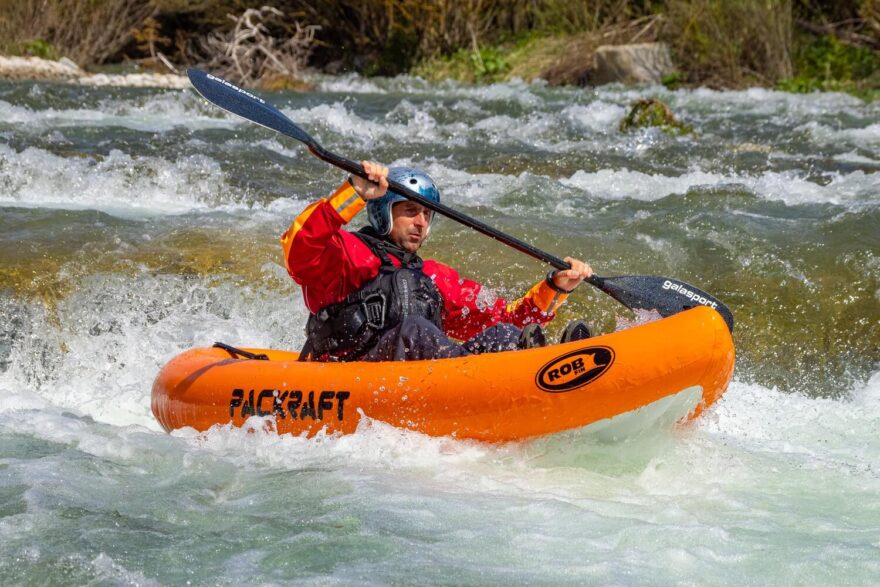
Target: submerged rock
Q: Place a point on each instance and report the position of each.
(650, 112)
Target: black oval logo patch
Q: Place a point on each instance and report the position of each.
(575, 369)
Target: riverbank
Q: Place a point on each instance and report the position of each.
(778, 45)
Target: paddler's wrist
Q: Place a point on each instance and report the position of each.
(552, 284)
(349, 183)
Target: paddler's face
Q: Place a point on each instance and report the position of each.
(410, 223)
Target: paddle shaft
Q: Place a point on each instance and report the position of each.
(665, 295)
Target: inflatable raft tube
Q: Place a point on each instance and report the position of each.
(491, 397)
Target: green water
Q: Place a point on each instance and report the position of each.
(137, 223)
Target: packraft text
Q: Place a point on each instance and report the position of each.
(293, 404)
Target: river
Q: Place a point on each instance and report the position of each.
(136, 223)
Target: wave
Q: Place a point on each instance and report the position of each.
(867, 138)
(856, 189)
(151, 113)
(117, 331)
(118, 184)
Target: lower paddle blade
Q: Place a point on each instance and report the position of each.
(667, 296)
(242, 103)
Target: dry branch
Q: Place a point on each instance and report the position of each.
(251, 55)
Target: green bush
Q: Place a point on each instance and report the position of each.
(672, 81)
(827, 64)
(489, 64)
(42, 49)
(829, 59)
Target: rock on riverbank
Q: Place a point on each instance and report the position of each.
(65, 70)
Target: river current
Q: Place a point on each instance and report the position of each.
(137, 223)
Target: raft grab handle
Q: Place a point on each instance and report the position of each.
(240, 353)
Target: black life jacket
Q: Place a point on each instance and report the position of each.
(346, 330)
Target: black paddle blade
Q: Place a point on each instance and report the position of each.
(667, 296)
(242, 103)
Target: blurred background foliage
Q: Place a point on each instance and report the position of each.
(797, 45)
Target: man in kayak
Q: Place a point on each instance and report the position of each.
(372, 298)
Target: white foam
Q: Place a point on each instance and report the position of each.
(867, 398)
(766, 101)
(853, 188)
(111, 571)
(119, 331)
(467, 106)
(472, 188)
(534, 129)
(855, 157)
(757, 477)
(293, 152)
(69, 427)
(641, 316)
(350, 83)
(373, 445)
(598, 116)
(153, 113)
(364, 132)
(831, 434)
(118, 184)
(655, 244)
(867, 137)
(485, 188)
(513, 91)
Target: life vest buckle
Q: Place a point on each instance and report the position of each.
(374, 310)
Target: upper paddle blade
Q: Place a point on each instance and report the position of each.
(242, 103)
(667, 296)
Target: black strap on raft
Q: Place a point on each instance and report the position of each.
(241, 353)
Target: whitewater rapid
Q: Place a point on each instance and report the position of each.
(138, 223)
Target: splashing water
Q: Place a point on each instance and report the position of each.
(139, 223)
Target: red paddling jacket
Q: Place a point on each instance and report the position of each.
(330, 263)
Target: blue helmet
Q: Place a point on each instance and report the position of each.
(379, 210)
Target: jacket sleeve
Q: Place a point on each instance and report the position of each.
(469, 308)
(317, 252)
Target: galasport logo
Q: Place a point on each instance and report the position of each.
(575, 369)
(691, 295)
(234, 87)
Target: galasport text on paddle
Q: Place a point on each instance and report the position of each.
(643, 292)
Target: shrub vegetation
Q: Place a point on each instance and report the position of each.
(798, 45)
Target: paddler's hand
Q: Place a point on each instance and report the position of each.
(569, 279)
(378, 184)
